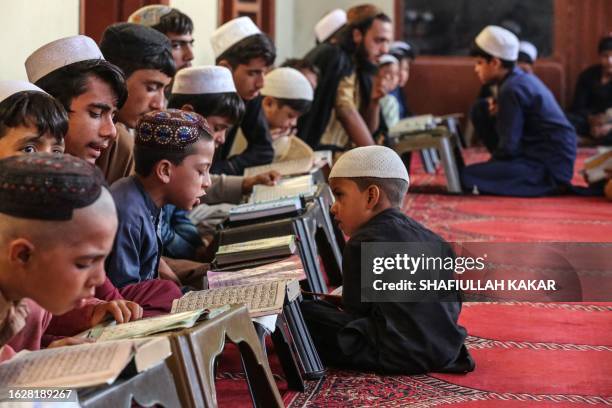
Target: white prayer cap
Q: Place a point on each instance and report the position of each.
(11, 87)
(370, 161)
(529, 49)
(400, 46)
(59, 53)
(329, 24)
(498, 42)
(387, 59)
(287, 83)
(209, 79)
(149, 15)
(232, 32)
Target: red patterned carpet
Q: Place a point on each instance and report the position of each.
(527, 354)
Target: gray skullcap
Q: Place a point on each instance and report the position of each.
(128, 41)
(370, 161)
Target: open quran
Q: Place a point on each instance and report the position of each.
(285, 168)
(83, 365)
(595, 167)
(413, 124)
(152, 325)
(265, 248)
(251, 211)
(285, 188)
(262, 299)
(290, 268)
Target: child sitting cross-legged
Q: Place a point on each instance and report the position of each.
(369, 184)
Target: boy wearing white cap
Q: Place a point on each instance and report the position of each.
(387, 80)
(326, 29)
(527, 56)
(174, 24)
(73, 70)
(405, 55)
(241, 47)
(536, 149)
(30, 120)
(369, 184)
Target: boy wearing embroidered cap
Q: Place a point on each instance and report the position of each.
(30, 120)
(145, 57)
(241, 47)
(74, 72)
(369, 184)
(173, 153)
(536, 149)
(175, 25)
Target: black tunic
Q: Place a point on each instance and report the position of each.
(590, 97)
(259, 148)
(389, 337)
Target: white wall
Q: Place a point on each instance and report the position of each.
(204, 14)
(285, 19)
(26, 25)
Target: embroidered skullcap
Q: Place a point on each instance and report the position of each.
(59, 53)
(209, 79)
(11, 87)
(387, 59)
(498, 42)
(132, 42)
(149, 16)
(329, 24)
(231, 33)
(359, 14)
(370, 161)
(527, 49)
(171, 129)
(287, 83)
(46, 186)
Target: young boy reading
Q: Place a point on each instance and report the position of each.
(32, 121)
(248, 53)
(369, 184)
(287, 95)
(536, 147)
(43, 197)
(173, 152)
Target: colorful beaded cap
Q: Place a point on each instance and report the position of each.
(171, 129)
(47, 186)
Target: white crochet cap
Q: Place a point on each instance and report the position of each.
(149, 15)
(387, 59)
(529, 49)
(11, 87)
(232, 32)
(370, 161)
(287, 83)
(329, 24)
(208, 79)
(59, 53)
(498, 42)
(400, 45)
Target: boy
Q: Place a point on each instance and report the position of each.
(307, 68)
(287, 95)
(405, 55)
(210, 92)
(145, 56)
(327, 27)
(527, 56)
(248, 53)
(175, 25)
(389, 67)
(591, 112)
(43, 196)
(369, 184)
(173, 153)
(30, 120)
(74, 72)
(536, 150)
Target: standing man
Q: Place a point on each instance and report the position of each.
(248, 53)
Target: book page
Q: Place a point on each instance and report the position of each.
(146, 327)
(257, 244)
(270, 193)
(261, 299)
(71, 366)
(285, 168)
(290, 268)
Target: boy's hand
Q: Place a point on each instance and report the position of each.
(269, 179)
(69, 341)
(492, 106)
(122, 311)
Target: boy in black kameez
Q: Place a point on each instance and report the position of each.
(369, 184)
